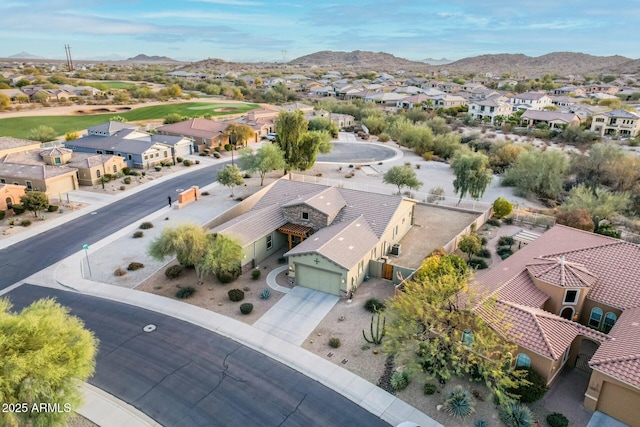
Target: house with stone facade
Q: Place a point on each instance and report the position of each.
(571, 300)
(330, 233)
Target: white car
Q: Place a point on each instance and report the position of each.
(271, 136)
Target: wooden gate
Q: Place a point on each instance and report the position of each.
(582, 362)
(387, 271)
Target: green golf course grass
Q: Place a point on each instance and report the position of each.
(19, 127)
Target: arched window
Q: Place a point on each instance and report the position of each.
(523, 361)
(467, 337)
(609, 321)
(595, 318)
(98, 173)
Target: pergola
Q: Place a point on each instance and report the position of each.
(296, 230)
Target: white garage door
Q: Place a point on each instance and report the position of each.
(318, 279)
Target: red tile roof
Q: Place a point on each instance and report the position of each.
(560, 272)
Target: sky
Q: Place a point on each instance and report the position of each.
(274, 30)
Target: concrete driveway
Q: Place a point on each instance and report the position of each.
(297, 314)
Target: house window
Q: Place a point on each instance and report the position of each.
(98, 173)
(523, 361)
(29, 185)
(269, 241)
(467, 337)
(595, 318)
(3, 181)
(395, 231)
(609, 321)
(57, 160)
(305, 215)
(98, 151)
(157, 154)
(108, 152)
(571, 296)
(165, 154)
(130, 157)
(145, 157)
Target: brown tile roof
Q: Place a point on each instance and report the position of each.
(521, 290)
(202, 128)
(620, 356)
(535, 329)
(328, 201)
(345, 243)
(561, 272)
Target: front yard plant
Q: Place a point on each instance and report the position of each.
(174, 271)
(334, 342)
(459, 403)
(246, 308)
(514, 414)
(186, 292)
(133, 266)
(400, 380)
(146, 225)
(374, 305)
(556, 419)
(236, 295)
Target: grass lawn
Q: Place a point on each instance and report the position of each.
(115, 84)
(19, 127)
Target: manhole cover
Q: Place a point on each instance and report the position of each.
(149, 328)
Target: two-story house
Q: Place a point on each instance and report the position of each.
(489, 109)
(623, 123)
(530, 100)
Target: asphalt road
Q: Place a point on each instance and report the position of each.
(25, 258)
(345, 152)
(184, 375)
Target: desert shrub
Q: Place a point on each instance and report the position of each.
(265, 294)
(197, 162)
(556, 419)
(334, 342)
(484, 253)
(459, 403)
(174, 271)
(513, 414)
(25, 222)
(187, 162)
(579, 218)
(216, 155)
(228, 276)
(119, 272)
(127, 180)
(145, 225)
(483, 241)
(504, 250)
(186, 292)
(52, 208)
(384, 137)
(429, 389)
(494, 221)
(179, 159)
(205, 193)
(127, 170)
(533, 391)
(374, 305)
(477, 263)
(508, 220)
(236, 295)
(501, 207)
(246, 308)
(400, 380)
(282, 260)
(122, 188)
(505, 241)
(133, 266)
(204, 154)
(138, 234)
(255, 274)
(18, 209)
(158, 168)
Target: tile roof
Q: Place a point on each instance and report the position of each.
(622, 114)
(549, 116)
(89, 160)
(30, 171)
(560, 272)
(125, 141)
(9, 143)
(620, 356)
(111, 127)
(329, 201)
(530, 96)
(199, 127)
(521, 290)
(344, 243)
(254, 224)
(535, 329)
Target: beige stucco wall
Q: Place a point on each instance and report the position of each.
(403, 219)
(323, 263)
(51, 186)
(589, 305)
(34, 146)
(12, 192)
(89, 176)
(258, 250)
(555, 304)
(613, 397)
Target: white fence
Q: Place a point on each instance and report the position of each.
(448, 202)
(532, 218)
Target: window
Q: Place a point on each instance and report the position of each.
(57, 160)
(523, 361)
(571, 296)
(98, 151)
(595, 318)
(29, 185)
(108, 152)
(269, 241)
(467, 337)
(98, 173)
(305, 215)
(609, 321)
(130, 157)
(3, 181)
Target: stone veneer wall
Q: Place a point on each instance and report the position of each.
(317, 219)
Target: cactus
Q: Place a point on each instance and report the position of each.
(376, 337)
(265, 294)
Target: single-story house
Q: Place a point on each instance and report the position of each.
(53, 180)
(554, 119)
(14, 145)
(92, 167)
(10, 195)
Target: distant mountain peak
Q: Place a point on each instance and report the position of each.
(357, 59)
(432, 61)
(146, 58)
(25, 55)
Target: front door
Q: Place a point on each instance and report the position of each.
(567, 313)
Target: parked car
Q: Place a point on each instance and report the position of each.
(271, 137)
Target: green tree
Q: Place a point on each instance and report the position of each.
(5, 102)
(230, 177)
(600, 203)
(324, 123)
(188, 243)
(42, 133)
(539, 172)
(223, 255)
(117, 119)
(174, 118)
(35, 201)
(593, 169)
(239, 133)
(46, 353)
(470, 244)
(472, 173)
(427, 319)
(402, 176)
(376, 124)
(264, 160)
(501, 207)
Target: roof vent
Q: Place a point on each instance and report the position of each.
(350, 247)
(341, 238)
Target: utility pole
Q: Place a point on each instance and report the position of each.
(67, 50)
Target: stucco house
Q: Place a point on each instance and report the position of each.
(489, 109)
(52, 180)
(205, 133)
(530, 101)
(14, 145)
(554, 119)
(623, 123)
(571, 299)
(10, 195)
(331, 233)
(92, 167)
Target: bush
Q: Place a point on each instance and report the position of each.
(484, 253)
(255, 274)
(531, 392)
(246, 308)
(384, 137)
(187, 162)
(216, 155)
(127, 180)
(400, 380)
(186, 292)
(179, 159)
(127, 170)
(508, 220)
(513, 414)
(122, 188)
(174, 271)
(119, 272)
(145, 225)
(236, 295)
(133, 266)
(374, 305)
(477, 263)
(197, 162)
(429, 389)
(501, 207)
(227, 276)
(265, 294)
(158, 168)
(51, 208)
(459, 403)
(494, 221)
(505, 241)
(138, 234)
(334, 342)
(25, 222)
(18, 209)
(504, 251)
(203, 154)
(556, 419)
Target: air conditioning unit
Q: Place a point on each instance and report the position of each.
(395, 249)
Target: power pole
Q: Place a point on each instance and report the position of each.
(67, 50)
